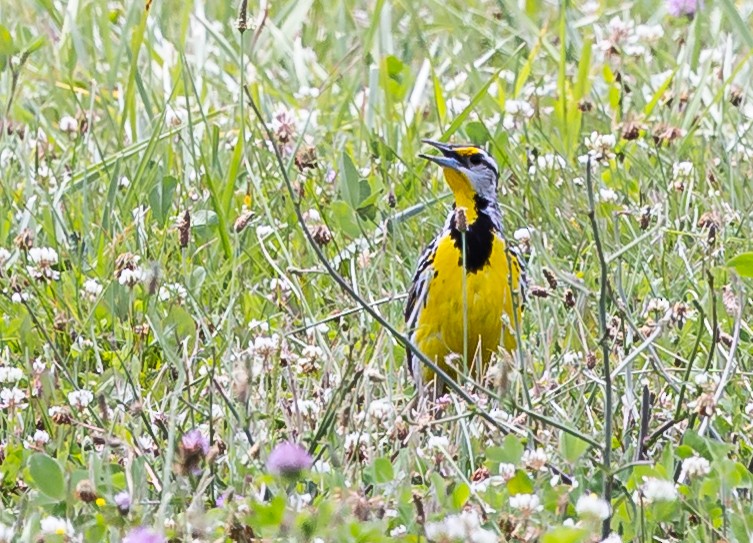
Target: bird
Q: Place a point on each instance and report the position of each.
(488, 281)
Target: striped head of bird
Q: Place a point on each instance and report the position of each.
(469, 170)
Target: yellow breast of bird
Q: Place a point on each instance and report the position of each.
(488, 299)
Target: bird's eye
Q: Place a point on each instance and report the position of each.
(475, 160)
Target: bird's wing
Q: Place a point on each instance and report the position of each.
(518, 261)
(419, 289)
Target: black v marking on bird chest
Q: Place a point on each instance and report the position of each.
(479, 239)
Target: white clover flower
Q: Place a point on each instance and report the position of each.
(506, 471)
(706, 381)
(19, 297)
(608, 195)
(171, 290)
(550, 161)
(124, 182)
(657, 305)
(522, 234)
(265, 346)
(519, 108)
(10, 374)
(57, 526)
(612, 538)
(91, 289)
(464, 527)
(658, 490)
(43, 259)
(80, 399)
(40, 438)
(263, 230)
(527, 504)
(535, 460)
(68, 124)
(695, 467)
(572, 358)
(130, 277)
(649, 33)
(311, 354)
(516, 112)
(4, 256)
(12, 398)
(6, 533)
(592, 506)
(682, 171)
(600, 146)
(381, 410)
(438, 443)
(308, 408)
(397, 531)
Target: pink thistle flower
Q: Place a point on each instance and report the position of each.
(289, 459)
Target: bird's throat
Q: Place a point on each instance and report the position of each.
(465, 196)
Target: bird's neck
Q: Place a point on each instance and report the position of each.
(479, 212)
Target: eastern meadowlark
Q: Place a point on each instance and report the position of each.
(462, 299)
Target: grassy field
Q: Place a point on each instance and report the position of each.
(165, 324)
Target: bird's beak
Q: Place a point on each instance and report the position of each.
(449, 158)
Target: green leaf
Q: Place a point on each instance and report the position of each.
(344, 219)
(269, 515)
(565, 534)
(161, 198)
(47, 476)
(510, 452)
(383, 472)
(204, 217)
(350, 181)
(6, 47)
(520, 484)
(742, 264)
(460, 495)
(572, 447)
(477, 133)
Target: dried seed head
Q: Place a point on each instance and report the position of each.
(481, 474)
(141, 330)
(391, 199)
(60, 322)
(665, 135)
(461, 219)
(24, 240)
(550, 278)
(61, 416)
(321, 234)
(680, 314)
(645, 218)
(631, 130)
(710, 221)
(585, 105)
(590, 360)
(729, 299)
(85, 491)
(305, 158)
(242, 221)
(569, 299)
(538, 291)
(242, 23)
(184, 229)
(736, 96)
(725, 339)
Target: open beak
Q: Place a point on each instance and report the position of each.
(449, 158)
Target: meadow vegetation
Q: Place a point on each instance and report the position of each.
(177, 362)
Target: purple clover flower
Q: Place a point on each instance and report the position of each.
(144, 534)
(194, 441)
(123, 501)
(678, 8)
(289, 459)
